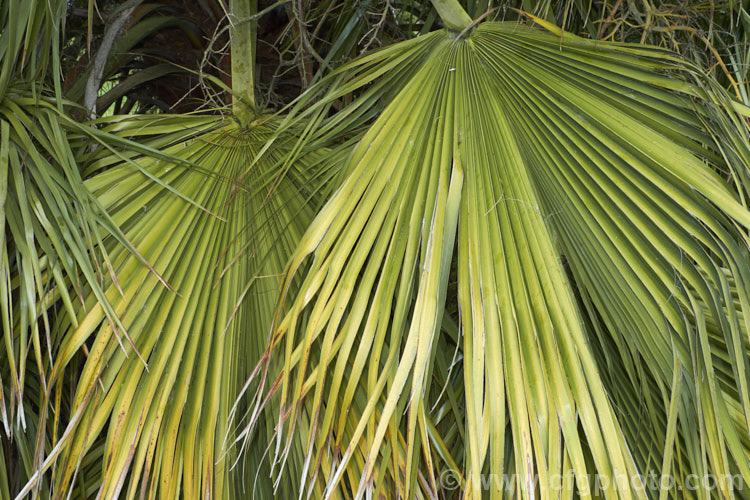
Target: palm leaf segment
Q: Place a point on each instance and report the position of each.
(51, 227)
(520, 160)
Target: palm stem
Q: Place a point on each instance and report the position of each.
(243, 33)
(453, 15)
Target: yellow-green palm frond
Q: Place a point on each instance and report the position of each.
(216, 222)
(579, 192)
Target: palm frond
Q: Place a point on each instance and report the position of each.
(216, 240)
(52, 227)
(601, 257)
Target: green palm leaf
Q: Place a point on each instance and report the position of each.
(583, 197)
(52, 227)
(216, 228)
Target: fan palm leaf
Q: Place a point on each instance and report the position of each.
(216, 227)
(597, 230)
(173, 245)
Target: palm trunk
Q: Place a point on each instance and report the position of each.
(243, 33)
